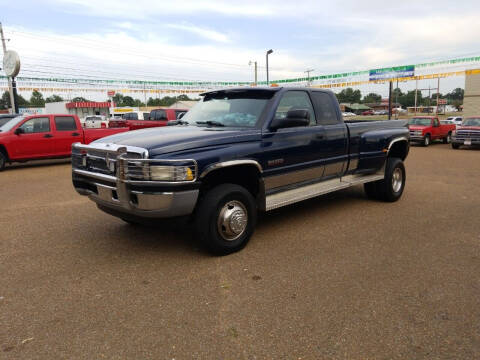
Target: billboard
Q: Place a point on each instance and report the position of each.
(392, 73)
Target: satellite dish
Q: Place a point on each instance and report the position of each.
(11, 63)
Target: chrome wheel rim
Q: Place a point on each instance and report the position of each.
(397, 180)
(449, 139)
(427, 140)
(232, 220)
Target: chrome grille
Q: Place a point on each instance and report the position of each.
(468, 134)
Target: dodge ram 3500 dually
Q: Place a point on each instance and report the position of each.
(237, 152)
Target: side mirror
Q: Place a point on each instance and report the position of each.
(180, 116)
(294, 118)
(19, 131)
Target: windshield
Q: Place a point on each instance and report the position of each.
(4, 120)
(231, 108)
(420, 121)
(11, 123)
(471, 122)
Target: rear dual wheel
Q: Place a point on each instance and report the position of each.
(389, 189)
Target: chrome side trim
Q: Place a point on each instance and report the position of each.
(309, 191)
(272, 182)
(230, 163)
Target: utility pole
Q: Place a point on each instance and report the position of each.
(438, 94)
(390, 88)
(255, 63)
(308, 75)
(268, 53)
(10, 86)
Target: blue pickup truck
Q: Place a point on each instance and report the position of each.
(237, 152)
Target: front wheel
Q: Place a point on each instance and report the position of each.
(3, 161)
(225, 218)
(448, 138)
(426, 140)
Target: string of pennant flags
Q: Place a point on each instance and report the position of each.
(338, 80)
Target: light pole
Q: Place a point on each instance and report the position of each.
(268, 53)
(255, 63)
(308, 75)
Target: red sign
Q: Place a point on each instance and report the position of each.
(442, 101)
(89, 104)
(110, 92)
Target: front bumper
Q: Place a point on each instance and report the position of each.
(416, 138)
(464, 141)
(117, 195)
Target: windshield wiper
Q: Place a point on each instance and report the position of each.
(177, 122)
(210, 123)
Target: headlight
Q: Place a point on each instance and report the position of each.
(171, 173)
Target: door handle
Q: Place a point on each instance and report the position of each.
(47, 135)
(75, 134)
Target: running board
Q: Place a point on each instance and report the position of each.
(309, 191)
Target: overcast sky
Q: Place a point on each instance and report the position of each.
(215, 40)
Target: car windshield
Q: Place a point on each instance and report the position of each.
(471, 122)
(229, 108)
(420, 121)
(11, 123)
(4, 120)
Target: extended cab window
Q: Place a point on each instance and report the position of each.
(325, 109)
(160, 115)
(295, 100)
(36, 125)
(435, 123)
(65, 123)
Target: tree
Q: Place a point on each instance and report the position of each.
(5, 101)
(372, 98)
(128, 101)
(37, 99)
(456, 94)
(408, 99)
(53, 98)
(349, 95)
(118, 99)
(80, 99)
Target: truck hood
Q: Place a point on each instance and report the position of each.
(167, 139)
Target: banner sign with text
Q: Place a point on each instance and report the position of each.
(392, 73)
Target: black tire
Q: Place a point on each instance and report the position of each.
(388, 189)
(131, 222)
(209, 228)
(426, 140)
(3, 161)
(455, 146)
(448, 138)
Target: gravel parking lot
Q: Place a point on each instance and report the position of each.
(336, 277)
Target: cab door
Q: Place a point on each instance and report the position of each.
(35, 140)
(292, 155)
(66, 133)
(436, 129)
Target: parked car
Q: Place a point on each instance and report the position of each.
(237, 152)
(95, 122)
(4, 118)
(368, 112)
(346, 114)
(456, 119)
(468, 133)
(44, 136)
(156, 118)
(425, 129)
